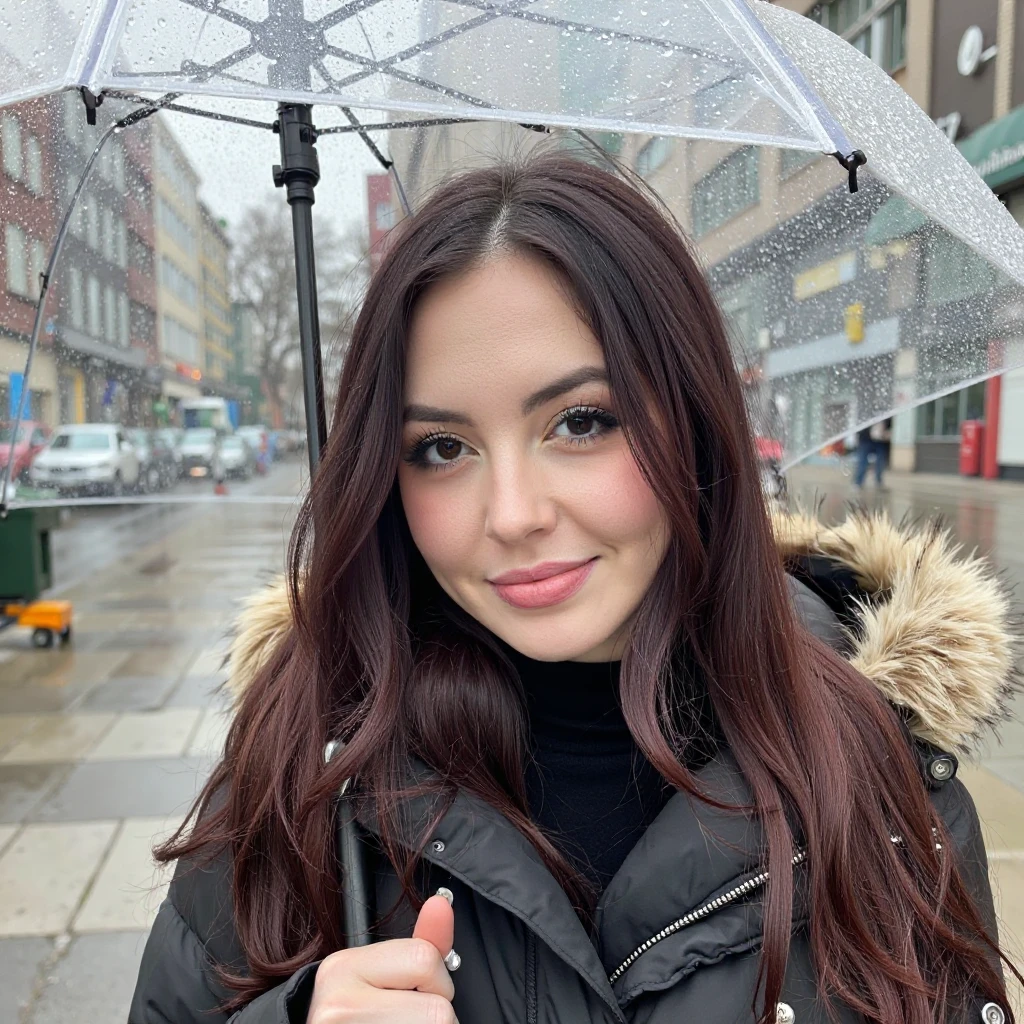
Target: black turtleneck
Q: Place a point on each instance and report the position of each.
(588, 785)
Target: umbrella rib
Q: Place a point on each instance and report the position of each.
(383, 126)
(384, 67)
(180, 108)
(207, 71)
(576, 26)
(221, 12)
(353, 120)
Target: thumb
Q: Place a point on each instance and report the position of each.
(436, 924)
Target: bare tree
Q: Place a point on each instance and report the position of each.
(264, 276)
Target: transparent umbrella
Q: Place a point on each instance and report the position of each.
(853, 290)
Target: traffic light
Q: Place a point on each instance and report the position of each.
(855, 322)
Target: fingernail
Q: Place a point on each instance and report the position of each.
(453, 961)
(447, 894)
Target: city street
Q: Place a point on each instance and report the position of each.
(103, 743)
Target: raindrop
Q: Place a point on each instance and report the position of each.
(161, 23)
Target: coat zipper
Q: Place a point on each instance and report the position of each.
(696, 915)
(531, 978)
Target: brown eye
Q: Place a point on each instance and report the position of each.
(580, 424)
(448, 448)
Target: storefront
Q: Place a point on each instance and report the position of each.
(996, 151)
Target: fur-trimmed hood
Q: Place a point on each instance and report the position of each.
(927, 622)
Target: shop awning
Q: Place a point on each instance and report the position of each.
(995, 151)
(895, 218)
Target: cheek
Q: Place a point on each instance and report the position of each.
(614, 500)
(439, 519)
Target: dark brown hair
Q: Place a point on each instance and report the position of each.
(375, 658)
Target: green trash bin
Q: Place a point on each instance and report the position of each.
(25, 565)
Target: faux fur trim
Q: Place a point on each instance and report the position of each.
(934, 631)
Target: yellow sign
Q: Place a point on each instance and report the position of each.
(855, 322)
(825, 276)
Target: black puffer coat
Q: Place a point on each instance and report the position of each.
(679, 926)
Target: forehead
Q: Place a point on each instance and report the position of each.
(504, 325)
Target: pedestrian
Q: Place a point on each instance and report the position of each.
(873, 445)
(538, 634)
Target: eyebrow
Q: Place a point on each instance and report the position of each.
(575, 379)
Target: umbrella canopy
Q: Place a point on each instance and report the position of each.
(751, 122)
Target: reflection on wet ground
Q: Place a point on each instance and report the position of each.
(103, 743)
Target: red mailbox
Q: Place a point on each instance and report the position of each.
(972, 434)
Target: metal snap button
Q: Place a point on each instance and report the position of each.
(993, 1013)
(784, 1014)
(942, 769)
(437, 846)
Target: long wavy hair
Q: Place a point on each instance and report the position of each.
(377, 658)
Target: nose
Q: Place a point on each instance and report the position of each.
(520, 501)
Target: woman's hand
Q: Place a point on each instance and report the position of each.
(402, 981)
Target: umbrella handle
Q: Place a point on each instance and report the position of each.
(357, 898)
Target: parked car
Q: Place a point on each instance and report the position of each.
(260, 441)
(237, 457)
(198, 445)
(158, 469)
(88, 458)
(21, 452)
(172, 437)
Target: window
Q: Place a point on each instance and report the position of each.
(122, 243)
(34, 165)
(117, 159)
(37, 267)
(654, 154)
(109, 242)
(123, 327)
(92, 223)
(942, 417)
(725, 191)
(76, 298)
(94, 308)
(178, 282)
(881, 37)
(179, 342)
(74, 115)
(794, 160)
(954, 272)
(110, 314)
(175, 226)
(10, 136)
(17, 260)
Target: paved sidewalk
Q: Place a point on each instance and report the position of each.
(103, 746)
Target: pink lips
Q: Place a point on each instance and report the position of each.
(542, 585)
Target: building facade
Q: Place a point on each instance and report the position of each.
(27, 227)
(178, 269)
(214, 257)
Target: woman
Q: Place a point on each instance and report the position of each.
(535, 595)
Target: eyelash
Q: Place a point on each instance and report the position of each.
(415, 455)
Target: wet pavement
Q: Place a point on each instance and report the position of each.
(103, 744)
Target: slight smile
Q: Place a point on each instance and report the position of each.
(542, 585)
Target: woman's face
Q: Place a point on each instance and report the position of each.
(518, 485)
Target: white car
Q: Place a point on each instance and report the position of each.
(236, 457)
(88, 458)
(198, 445)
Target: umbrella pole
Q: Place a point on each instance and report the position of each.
(299, 172)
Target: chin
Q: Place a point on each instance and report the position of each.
(556, 641)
